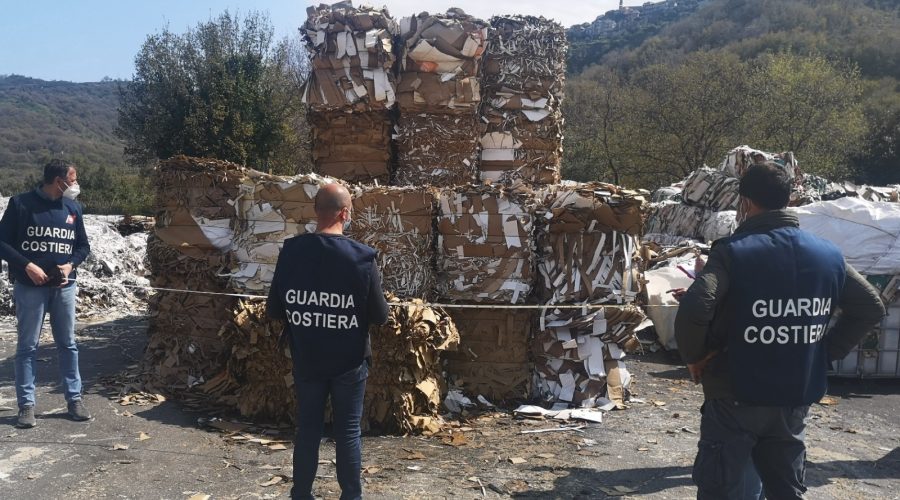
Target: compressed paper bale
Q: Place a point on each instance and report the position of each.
(712, 189)
(523, 83)
(589, 248)
(398, 223)
(676, 219)
(406, 386)
(270, 210)
(355, 147)
(440, 63)
(526, 54)
(514, 148)
(739, 159)
(579, 354)
(436, 149)
(485, 245)
(493, 355)
(352, 56)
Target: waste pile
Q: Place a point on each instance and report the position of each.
(589, 241)
(398, 223)
(485, 244)
(189, 250)
(705, 207)
(589, 254)
(493, 358)
(220, 230)
(579, 356)
(524, 75)
(438, 96)
(350, 90)
(405, 387)
(112, 281)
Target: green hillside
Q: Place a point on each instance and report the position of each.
(859, 39)
(75, 121)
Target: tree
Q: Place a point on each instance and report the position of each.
(690, 113)
(596, 118)
(811, 107)
(223, 89)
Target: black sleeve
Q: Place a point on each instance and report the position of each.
(861, 310)
(9, 229)
(378, 307)
(274, 304)
(82, 246)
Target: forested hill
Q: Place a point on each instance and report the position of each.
(76, 121)
(833, 66)
(866, 32)
(44, 119)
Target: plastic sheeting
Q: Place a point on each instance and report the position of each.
(867, 232)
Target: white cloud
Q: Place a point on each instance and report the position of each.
(566, 12)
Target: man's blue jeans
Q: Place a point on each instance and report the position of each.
(346, 391)
(32, 303)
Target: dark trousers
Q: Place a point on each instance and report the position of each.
(346, 392)
(732, 434)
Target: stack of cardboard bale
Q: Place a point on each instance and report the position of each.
(405, 386)
(486, 255)
(706, 211)
(220, 230)
(398, 223)
(580, 355)
(351, 90)
(589, 255)
(493, 357)
(524, 74)
(438, 93)
(270, 210)
(189, 250)
(485, 245)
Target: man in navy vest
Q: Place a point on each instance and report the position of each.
(327, 289)
(43, 240)
(752, 329)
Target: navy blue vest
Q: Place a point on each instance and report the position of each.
(324, 282)
(785, 284)
(47, 232)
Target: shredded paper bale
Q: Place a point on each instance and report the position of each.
(405, 387)
(524, 74)
(352, 58)
(397, 222)
(711, 189)
(439, 150)
(270, 210)
(493, 355)
(485, 246)
(739, 159)
(589, 246)
(441, 57)
(355, 147)
(579, 357)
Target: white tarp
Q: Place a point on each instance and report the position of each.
(867, 232)
(661, 304)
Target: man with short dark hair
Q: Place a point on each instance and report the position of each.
(752, 329)
(43, 240)
(327, 289)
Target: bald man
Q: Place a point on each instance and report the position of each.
(327, 289)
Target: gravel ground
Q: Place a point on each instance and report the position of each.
(645, 451)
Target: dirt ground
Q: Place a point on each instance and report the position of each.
(162, 451)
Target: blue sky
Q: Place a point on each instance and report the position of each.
(86, 40)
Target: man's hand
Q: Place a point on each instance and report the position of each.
(66, 270)
(37, 275)
(678, 293)
(696, 369)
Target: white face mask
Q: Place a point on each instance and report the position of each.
(72, 191)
